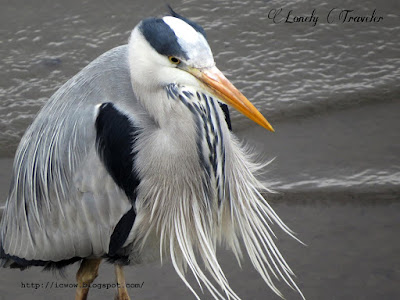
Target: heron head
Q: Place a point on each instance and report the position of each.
(174, 49)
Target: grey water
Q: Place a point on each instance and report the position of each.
(329, 86)
(341, 80)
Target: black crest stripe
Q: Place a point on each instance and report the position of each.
(161, 37)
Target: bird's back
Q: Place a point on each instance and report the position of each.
(58, 206)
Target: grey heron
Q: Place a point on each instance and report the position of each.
(132, 160)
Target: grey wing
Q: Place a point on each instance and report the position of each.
(69, 198)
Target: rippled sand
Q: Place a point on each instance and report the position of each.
(331, 91)
(352, 253)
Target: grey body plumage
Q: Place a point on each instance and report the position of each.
(58, 174)
(132, 159)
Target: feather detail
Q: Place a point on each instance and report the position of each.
(188, 214)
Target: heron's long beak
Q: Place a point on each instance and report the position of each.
(218, 85)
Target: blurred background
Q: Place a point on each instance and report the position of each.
(330, 90)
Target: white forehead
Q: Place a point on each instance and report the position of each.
(182, 29)
(192, 42)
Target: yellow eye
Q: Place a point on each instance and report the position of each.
(174, 60)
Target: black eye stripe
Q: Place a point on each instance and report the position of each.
(161, 37)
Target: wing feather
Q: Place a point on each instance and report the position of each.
(64, 203)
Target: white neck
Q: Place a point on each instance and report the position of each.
(150, 74)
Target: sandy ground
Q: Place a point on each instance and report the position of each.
(352, 233)
(352, 253)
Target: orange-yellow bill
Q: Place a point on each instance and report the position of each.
(217, 83)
